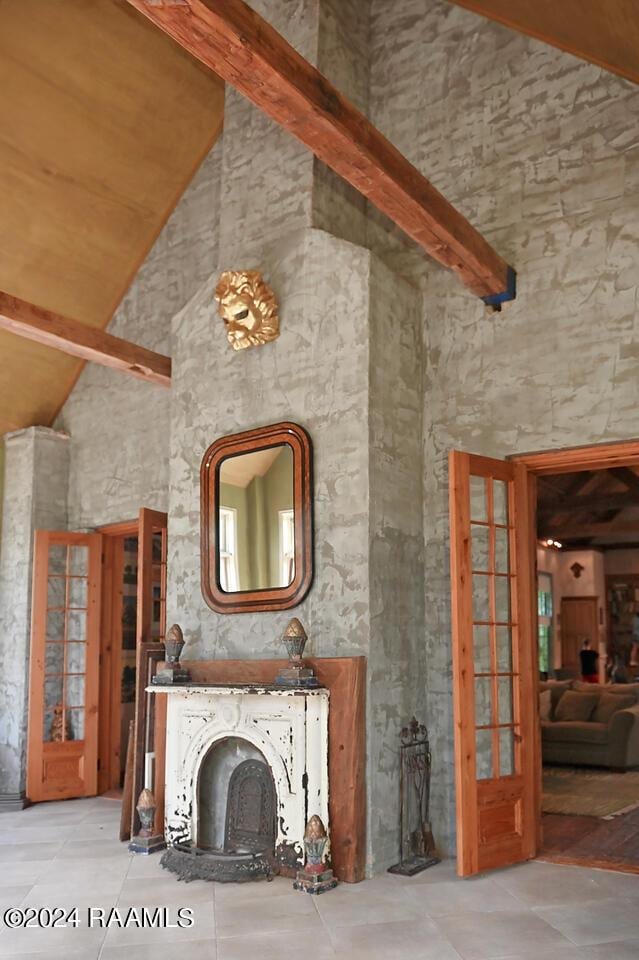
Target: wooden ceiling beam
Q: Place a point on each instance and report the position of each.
(629, 479)
(242, 48)
(574, 531)
(593, 503)
(61, 333)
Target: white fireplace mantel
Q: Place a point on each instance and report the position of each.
(289, 726)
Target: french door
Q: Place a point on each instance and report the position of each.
(494, 663)
(150, 632)
(65, 648)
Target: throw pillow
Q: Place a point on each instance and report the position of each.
(545, 703)
(576, 706)
(610, 703)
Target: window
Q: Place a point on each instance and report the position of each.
(229, 579)
(287, 547)
(544, 616)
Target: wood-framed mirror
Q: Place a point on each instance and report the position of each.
(257, 519)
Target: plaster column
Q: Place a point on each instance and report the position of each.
(347, 367)
(35, 497)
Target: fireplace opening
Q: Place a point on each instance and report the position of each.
(236, 826)
(236, 800)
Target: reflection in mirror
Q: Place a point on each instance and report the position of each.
(256, 541)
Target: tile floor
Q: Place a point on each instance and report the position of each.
(64, 855)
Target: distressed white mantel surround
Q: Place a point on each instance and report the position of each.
(288, 726)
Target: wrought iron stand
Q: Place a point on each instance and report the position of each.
(417, 844)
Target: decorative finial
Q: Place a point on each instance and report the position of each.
(296, 674)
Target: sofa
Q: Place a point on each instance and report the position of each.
(588, 724)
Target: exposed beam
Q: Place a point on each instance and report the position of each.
(605, 32)
(242, 48)
(578, 531)
(40, 325)
(593, 502)
(628, 477)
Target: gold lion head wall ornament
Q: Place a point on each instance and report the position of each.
(248, 307)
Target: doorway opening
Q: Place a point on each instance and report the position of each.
(117, 653)
(587, 636)
(120, 645)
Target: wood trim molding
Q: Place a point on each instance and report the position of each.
(345, 677)
(602, 456)
(242, 48)
(127, 528)
(79, 340)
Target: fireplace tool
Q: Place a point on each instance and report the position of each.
(417, 843)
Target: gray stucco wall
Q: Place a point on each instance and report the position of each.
(119, 426)
(35, 494)
(541, 152)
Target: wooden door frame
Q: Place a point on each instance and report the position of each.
(111, 653)
(600, 456)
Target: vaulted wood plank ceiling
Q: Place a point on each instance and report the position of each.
(605, 32)
(103, 122)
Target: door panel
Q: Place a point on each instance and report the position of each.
(63, 684)
(494, 667)
(151, 628)
(578, 620)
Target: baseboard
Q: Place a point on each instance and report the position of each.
(10, 802)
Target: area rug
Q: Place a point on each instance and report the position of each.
(581, 791)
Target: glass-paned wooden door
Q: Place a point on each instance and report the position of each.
(150, 632)
(63, 685)
(494, 664)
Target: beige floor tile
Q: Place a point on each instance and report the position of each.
(202, 928)
(59, 895)
(479, 895)
(538, 884)
(64, 953)
(593, 922)
(16, 943)
(343, 907)
(618, 884)
(141, 865)
(261, 890)
(22, 872)
(13, 896)
(15, 852)
(273, 946)
(93, 849)
(484, 936)
(87, 877)
(165, 891)
(611, 951)
(290, 912)
(181, 950)
(391, 941)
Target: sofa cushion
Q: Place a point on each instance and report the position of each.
(557, 689)
(545, 704)
(571, 731)
(576, 706)
(627, 689)
(609, 703)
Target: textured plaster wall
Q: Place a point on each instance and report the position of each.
(119, 426)
(316, 374)
(347, 367)
(396, 664)
(541, 151)
(35, 491)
